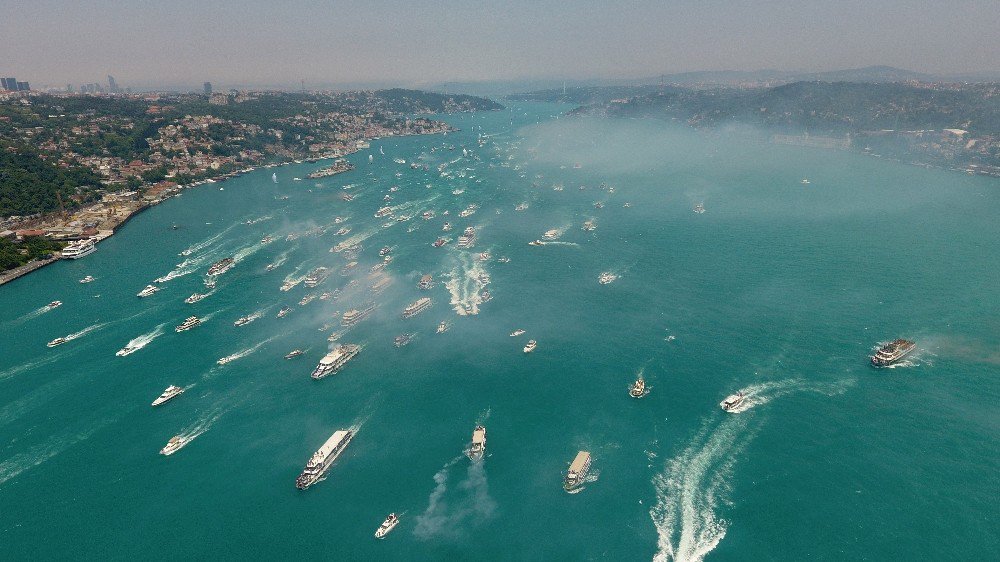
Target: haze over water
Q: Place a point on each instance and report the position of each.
(780, 289)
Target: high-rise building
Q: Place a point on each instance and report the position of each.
(8, 83)
(208, 88)
(23, 87)
(112, 85)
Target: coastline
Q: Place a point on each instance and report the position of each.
(18, 272)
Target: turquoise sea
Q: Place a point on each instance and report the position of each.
(780, 289)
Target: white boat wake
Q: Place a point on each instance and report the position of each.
(762, 393)
(696, 482)
(691, 487)
(85, 331)
(139, 342)
(38, 454)
(465, 285)
(241, 354)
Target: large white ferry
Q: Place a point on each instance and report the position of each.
(322, 459)
(316, 277)
(577, 471)
(468, 238)
(355, 315)
(335, 360)
(416, 307)
(78, 249)
(221, 266)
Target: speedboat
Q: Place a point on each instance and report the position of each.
(732, 401)
(195, 297)
(443, 327)
(293, 353)
(606, 277)
(532, 344)
(516, 333)
(536, 243)
(53, 304)
(57, 341)
(388, 525)
(171, 392)
(174, 445)
(551, 234)
(87, 279)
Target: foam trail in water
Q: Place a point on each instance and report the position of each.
(244, 353)
(38, 454)
(33, 314)
(139, 342)
(762, 393)
(464, 284)
(85, 331)
(29, 365)
(205, 243)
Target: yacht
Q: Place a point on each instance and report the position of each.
(289, 285)
(53, 304)
(550, 234)
(426, 282)
(638, 388)
(344, 231)
(174, 445)
(307, 299)
(699, 208)
(195, 297)
(388, 525)
(402, 339)
(271, 267)
(187, 324)
(516, 333)
(284, 310)
(443, 327)
(221, 266)
(427, 215)
(589, 225)
(383, 212)
(384, 251)
(892, 352)
(732, 401)
(606, 277)
(79, 249)
(485, 296)
(57, 341)
(521, 207)
(87, 279)
(478, 448)
(577, 472)
(335, 360)
(532, 344)
(440, 242)
(293, 353)
(267, 239)
(168, 394)
(446, 227)
(321, 460)
(353, 316)
(149, 290)
(536, 243)
(804, 181)
(416, 307)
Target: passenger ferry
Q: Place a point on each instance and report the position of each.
(416, 307)
(322, 459)
(577, 472)
(892, 352)
(79, 249)
(335, 360)
(188, 323)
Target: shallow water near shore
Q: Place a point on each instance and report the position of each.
(780, 289)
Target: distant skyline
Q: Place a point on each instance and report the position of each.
(255, 43)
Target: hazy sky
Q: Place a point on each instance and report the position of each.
(411, 42)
